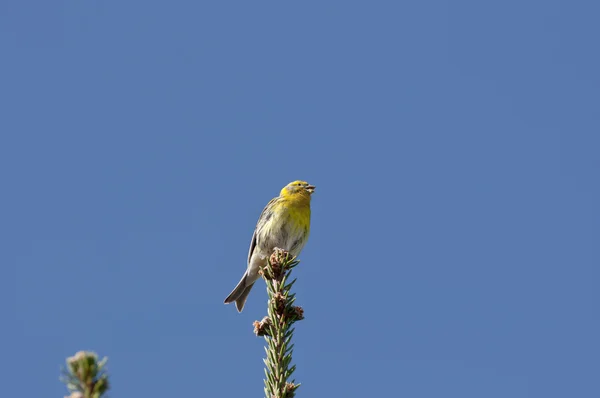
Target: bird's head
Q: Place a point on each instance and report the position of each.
(297, 188)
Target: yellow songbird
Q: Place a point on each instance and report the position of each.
(284, 223)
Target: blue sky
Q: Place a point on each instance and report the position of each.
(454, 146)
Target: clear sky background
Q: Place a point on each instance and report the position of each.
(454, 146)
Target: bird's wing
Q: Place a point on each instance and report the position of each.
(252, 246)
(253, 242)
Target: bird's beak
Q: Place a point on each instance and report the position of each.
(310, 188)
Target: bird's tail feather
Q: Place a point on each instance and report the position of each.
(240, 293)
(241, 300)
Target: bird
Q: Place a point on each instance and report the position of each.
(285, 224)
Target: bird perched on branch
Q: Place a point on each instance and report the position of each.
(284, 223)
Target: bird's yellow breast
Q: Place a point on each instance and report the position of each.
(288, 227)
(296, 209)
